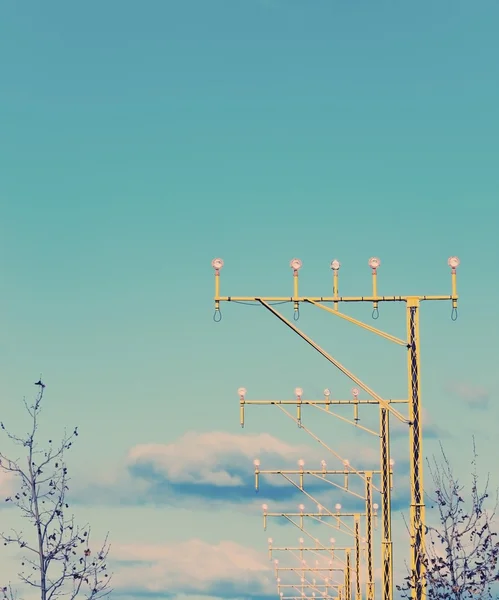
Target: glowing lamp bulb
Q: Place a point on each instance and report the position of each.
(337, 506)
(346, 462)
(270, 540)
(298, 392)
(453, 262)
(256, 462)
(327, 393)
(301, 462)
(335, 265)
(301, 540)
(355, 392)
(323, 463)
(374, 262)
(242, 392)
(295, 264)
(301, 507)
(217, 264)
(392, 462)
(375, 506)
(276, 562)
(332, 541)
(264, 507)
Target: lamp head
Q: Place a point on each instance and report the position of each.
(296, 264)
(453, 262)
(217, 264)
(374, 262)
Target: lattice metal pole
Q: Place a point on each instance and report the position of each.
(386, 516)
(369, 537)
(416, 442)
(358, 589)
(348, 580)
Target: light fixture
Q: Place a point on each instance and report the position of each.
(335, 265)
(256, 462)
(453, 262)
(298, 392)
(295, 264)
(301, 462)
(355, 392)
(374, 262)
(265, 507)
(327, 392)
(217, 264)
(337, 506)
(242, 392)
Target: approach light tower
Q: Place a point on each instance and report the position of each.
(412, 345)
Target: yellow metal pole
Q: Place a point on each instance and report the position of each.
(335, 266)
(358, 589)
(369, 537)
(296, 264)
(386, 516)
(416, 452)
(348, 584)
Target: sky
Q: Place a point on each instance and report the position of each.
(141, 140)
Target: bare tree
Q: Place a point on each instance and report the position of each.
(461, 556)
(57, 557)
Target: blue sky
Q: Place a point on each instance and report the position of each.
(139, 142)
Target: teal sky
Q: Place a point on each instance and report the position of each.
(140, 140)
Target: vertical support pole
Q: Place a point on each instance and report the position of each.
(295, 292)
(335, 287)
(386, 516)
(416, 453)
(369, 536)
(348, 582)
(217, 290)
(358, 590)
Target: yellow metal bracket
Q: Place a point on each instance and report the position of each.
(336, 363)
(336, 312)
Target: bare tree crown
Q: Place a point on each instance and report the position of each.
(57, 558)
(462, 551)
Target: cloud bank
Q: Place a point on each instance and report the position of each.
(192, 568)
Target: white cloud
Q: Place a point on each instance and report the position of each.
(7, 484)
(207, 457)
(475, 396)
(217, 457)
(193, 568)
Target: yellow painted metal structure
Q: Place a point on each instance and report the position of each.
(367, 477)
(414, 418)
